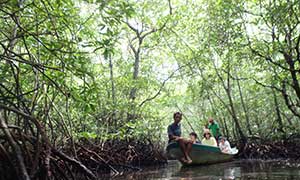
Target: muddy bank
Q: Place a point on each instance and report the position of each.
(280, 149)
(88, 159)
(119, 156)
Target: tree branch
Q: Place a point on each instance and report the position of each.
(161, 87)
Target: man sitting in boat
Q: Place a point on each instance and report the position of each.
(174, 133)
(224, 145)
(193, 138)
(208, 139)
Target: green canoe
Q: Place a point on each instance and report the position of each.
(200, 154)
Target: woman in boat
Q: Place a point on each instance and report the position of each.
(224, 145)
(174, 133)
(208, 139)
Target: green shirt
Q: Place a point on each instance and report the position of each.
(214, 129)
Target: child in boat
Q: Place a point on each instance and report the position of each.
(193, 138)
(224, 145)
(208, 139)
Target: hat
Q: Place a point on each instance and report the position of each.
(206, 131)
(222, 137)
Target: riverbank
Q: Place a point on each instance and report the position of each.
(91, 158)
(116, 157)
(278, 149)
(87, 159)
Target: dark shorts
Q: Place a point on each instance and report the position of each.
(171, 141)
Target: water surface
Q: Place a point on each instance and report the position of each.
(239, 170)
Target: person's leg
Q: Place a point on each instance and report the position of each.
(182, 146)
(188, 151)
(189, 148)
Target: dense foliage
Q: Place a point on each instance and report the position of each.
(74, 69)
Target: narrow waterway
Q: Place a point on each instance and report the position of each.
(240, 170)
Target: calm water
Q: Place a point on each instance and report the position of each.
(239, 170)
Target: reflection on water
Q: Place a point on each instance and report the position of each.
(238, 170)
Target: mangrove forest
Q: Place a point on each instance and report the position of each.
(88, 88)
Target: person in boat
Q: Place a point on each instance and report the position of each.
(174, 133)
(214, 128)
(193, 138)
(224, 145)
(209, 139)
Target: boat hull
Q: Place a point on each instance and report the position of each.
(200, 154)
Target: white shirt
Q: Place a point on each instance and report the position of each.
(225, 148)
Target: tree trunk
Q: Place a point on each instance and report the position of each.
(16, 149)
(135, 72)
(244, 108)
(113, 91)
(277, 109)
(226, 127)
(227, 89)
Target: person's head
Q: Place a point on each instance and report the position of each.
(177, 117)
(193, 136)
(207, 134)
(222, 139)
(211, 120)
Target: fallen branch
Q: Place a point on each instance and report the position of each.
(75, 162)
(95, 154)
